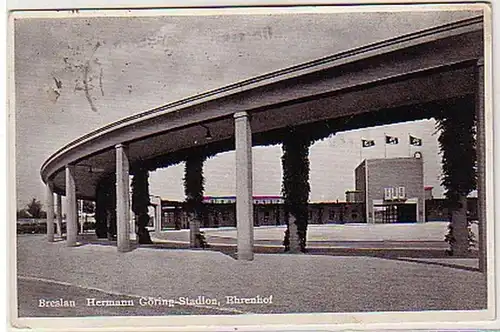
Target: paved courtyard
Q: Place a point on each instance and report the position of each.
(430, 231)
(422, 240)
(294, 283)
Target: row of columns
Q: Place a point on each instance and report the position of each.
(244, 201)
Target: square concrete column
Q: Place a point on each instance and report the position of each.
(79, 208)
(59, 214)
(481, 165)
(156, 201)
(122, 199)
(133, 235)
(71, 213)
(158, 218)
(49, 202)
(244, 198)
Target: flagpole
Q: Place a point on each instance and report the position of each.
(361, 152)
(385, 145)
(409, 146)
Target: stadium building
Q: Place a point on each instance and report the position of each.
(392, 190)
(389, 190)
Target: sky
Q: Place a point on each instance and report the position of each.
(141, 62)
(332, 163)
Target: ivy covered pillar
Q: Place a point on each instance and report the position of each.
(140, 204)
(111, 209)
(71, 213)
(193, 189)
(101, 224)
(105, 207)
(244, 191)
(458, 149)
(122, 199)
(59, 216)
(481, 164)
(295, 189)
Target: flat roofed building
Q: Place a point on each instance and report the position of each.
(392, 189)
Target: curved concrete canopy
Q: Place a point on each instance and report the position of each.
(400, 79)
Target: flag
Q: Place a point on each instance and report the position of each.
(391, 139)
(415, 141)
(366, 143)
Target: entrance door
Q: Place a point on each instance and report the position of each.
(385, 214)
(407, 212)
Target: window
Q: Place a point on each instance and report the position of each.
(401, 193)
(394, 193)
(387, 194)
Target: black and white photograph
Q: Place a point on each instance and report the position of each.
(251, 165)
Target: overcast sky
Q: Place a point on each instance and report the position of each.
(137, 63)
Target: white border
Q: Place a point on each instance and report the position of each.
(348, 321)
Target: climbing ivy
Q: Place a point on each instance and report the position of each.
(295, 186)
(457, 144)
(140, 204)
(194, 185)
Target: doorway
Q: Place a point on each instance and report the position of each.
(407, 212)
(395, 213)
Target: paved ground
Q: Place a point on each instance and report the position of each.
(430, 231)
(297, 283)
(412, 240)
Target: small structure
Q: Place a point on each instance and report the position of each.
(353, 196)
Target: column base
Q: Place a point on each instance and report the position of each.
(124, 249)
(245, 256)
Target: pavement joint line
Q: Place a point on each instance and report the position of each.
(64, 283)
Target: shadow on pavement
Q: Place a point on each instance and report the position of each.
(444, 264)
(404, 254)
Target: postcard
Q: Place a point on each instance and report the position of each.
(252, 168)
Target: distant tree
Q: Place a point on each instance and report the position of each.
(23, 214)
(34, 208)
(105, 211)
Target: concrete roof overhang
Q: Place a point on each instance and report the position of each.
(405, 78)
